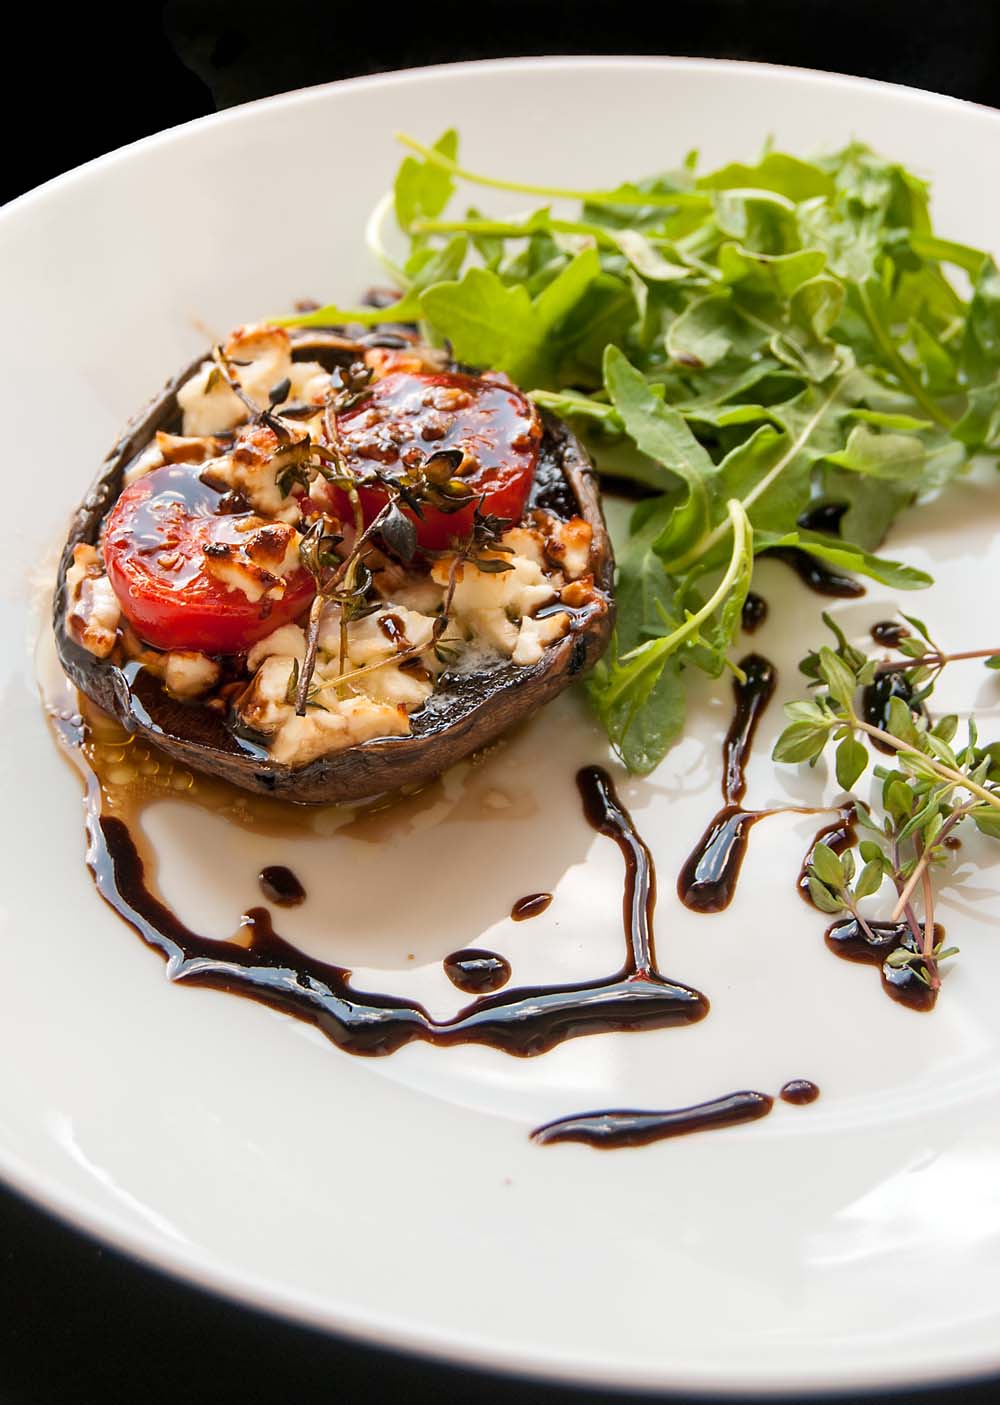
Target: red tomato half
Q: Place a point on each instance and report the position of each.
(409, 417)
(154, 551)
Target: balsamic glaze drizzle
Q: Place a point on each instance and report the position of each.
(752, 697)
(889, 632)
(280, 886)
(839, 835)
(708, 878)
(824, 517)
(820, 578)
(754, 612)
(799, 1092)
(711, 871)
(633, 1127)
(847, 938)
(876, 699)
(533, 905)
(522, 1021)
(475, 971)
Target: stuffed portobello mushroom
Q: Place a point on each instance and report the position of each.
(323, 567)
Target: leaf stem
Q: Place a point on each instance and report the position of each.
(675, 199)
(945, 772)
(907, 907)
(903, 370)
(373, 239)
(717, 533)
(953, 819)
(659, 649)
(927, 945)
(511, 229)
(935, 660)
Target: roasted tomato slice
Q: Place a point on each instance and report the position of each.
(408, 417)
(176, 562)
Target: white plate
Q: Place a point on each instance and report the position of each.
(852, 1243)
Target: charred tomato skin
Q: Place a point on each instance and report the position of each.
(489, 428)
(155, 542)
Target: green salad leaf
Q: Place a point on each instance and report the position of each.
(744, 344)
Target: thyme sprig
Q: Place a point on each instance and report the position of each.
(933, 788)
(484, 535)
(259, 414)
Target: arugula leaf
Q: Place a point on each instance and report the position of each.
(745, 343)
(892, 456)
(846, 557)
(490, 324)
(423, 188)
(636, 692)
(981, 343)
(661, 434)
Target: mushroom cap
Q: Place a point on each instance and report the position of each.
(466, 711)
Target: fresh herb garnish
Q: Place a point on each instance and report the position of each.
(933, 788)
(745, 343)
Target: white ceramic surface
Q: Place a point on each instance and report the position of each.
(854, 1242)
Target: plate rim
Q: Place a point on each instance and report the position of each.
(342, 1321)
(789, 72)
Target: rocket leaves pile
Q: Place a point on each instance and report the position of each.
(746, 344)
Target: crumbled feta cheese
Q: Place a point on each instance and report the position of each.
(209, 405)
(150, 458)
(190, 448)
(533, 636)
(567, 544)
(419, 593)
(520, 590)
(254, 466)
(526, 544)
(257, 564)
(377, 636)
(490, 629)
(92, 610)
(188, 674)
(303, 739)
(264, 705)
(289, 641)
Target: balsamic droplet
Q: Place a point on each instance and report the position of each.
(476, 971)
(531, 906)
(280, 886)
(799, 1091)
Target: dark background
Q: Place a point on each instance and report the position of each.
(77, 1322)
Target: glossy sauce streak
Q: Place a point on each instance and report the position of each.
(890, 633)
(522, 1021)
(839, 836)
(280, 886)
(752, 697)
(710, 873)
(754, 612)
(799, 1091)
(848, 939)
(875, 701)
(531, 906)
(817, 575)
(619, 1127)
(476, 971)
(825, 518)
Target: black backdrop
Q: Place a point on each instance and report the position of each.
(79, 1323)
(103, 76)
